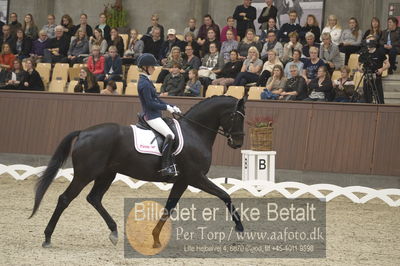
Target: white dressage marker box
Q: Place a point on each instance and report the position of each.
(258, 165)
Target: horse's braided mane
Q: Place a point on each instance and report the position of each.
(207, 101)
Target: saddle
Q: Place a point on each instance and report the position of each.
(148, 140)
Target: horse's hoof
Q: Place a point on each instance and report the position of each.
(239, 228)
(46, 244)
(114, 237)
(156, 245)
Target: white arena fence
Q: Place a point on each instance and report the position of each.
(258, 188)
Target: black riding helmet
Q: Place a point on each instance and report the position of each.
(147, 60)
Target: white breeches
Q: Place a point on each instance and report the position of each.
(161, 127)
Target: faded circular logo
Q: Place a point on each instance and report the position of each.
(142, 219)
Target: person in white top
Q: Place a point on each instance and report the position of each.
(333, 27)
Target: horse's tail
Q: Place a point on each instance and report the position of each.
(56, 162)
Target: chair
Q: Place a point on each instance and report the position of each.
(385, 73)
(133, 74)
(255, 93)
(125, 37)
(156, 73)
(79, 65)
(60, 72)
(71, 86)
(131, 89)
(214, 90)
(357, 77)
(353, 63)
(101, 85)
(44, 73)
(57, 85)
(74, 73)
(44, 65)
(235, 91)
(336, 75)
(158, 87)
(120, 87)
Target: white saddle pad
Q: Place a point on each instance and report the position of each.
(144, 140)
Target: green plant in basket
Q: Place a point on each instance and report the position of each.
(261, 133)
(260, 122)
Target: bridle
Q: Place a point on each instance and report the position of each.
(228, 134)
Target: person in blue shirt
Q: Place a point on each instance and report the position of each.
(152, 106)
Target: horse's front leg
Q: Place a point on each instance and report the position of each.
(176, 192)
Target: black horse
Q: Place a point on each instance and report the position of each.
(102, 151)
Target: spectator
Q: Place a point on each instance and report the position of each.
(193, 86)
(296, 87)
(113, 65)
(296, 61)
(287, 28)
(68, 26)
(83, 25)
(58, 48)
(105, 29)
(344, 86)
(211, 38)
(333, 28)
(152, 44)
(275, 84)
(251, 68)
(168, 44)
(191, 28)
(267, 13)
(190, 61)
(173, 58)
(208, 23)
(390, 42)
(271, 28)
(6, 61)
(50, 27)
(310, 26)
(135, 48)
(22, 45)
(111, 88)
(32, 81)
(174, 82)
(87, 82)
(229, 45)
(229, 71)
(14, 25)
(310, 42)
(154, 24)
(79, 48)
(7, 37)
(245, 15)
(247, 42)
(312, 65)
(230, 23)
(212, 64)
(350, 40)
(272, 44)
(291, 46)
(329, 52)
(15, 78)
(266, 71)
(117, 41)
(96, 62)
(39, 45)
(320, 87)
(375, 30)
(30, 29)
(190, 40)
(97, 39)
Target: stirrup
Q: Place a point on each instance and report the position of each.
(169, 171)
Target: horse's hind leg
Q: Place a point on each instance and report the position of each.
(206, 185)
(100, 187)
(73, 190)
(173, 198)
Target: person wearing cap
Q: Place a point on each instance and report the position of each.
(168, 44)
(152, 106)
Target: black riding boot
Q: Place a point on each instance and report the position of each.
(168, 167)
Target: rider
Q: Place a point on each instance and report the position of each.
(152, 106)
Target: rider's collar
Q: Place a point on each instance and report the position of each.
(147, 76)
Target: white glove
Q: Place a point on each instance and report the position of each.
(170, 109)
(176, 109)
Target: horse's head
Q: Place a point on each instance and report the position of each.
(232, 124)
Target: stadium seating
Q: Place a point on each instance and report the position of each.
(57, 85)
(71, 86)
(131, 89)
(336, 75)
(158, 87)
(120, 87)
(235, 91)
(353, 63)
(60, 72)
(255, 93)
(74, 73)
(214, 90)
(133, 74)
(125, 37)
(155, 74)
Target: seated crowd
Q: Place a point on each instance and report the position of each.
(295, 62)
